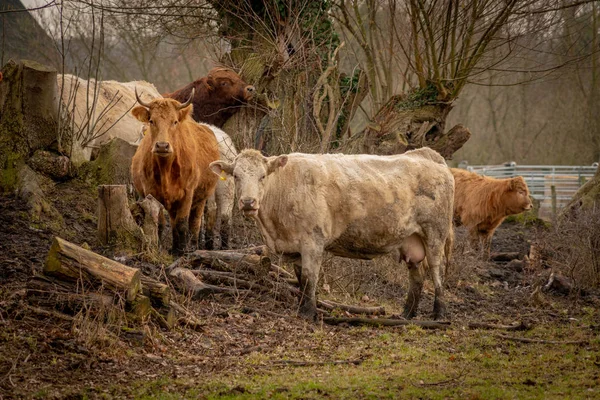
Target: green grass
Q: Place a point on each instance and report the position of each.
(409, 363)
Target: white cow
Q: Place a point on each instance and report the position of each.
(101, 111)
(219, 208)
(358, 206)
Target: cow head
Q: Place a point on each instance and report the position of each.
(226, 84)
(249, 170)
(516, 197)
(162, 116)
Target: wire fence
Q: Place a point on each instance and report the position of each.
(552, 185)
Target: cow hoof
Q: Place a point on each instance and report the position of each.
(308, 314)
(439, 311)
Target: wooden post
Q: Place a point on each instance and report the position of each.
(553, 194)
(116, 225)
(68, 261)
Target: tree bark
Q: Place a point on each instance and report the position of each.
(158, 292)
(68, 261)
(116, 225)
(402, 125)
(148, 214)
(586, 198)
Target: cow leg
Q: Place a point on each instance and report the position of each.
(210, 221)
(196, 214)
(415, 288)
(311, 258)
(180, 229)
(435, 261)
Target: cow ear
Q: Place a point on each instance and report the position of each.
(218, 167)
(515, 183)
(185, 112)
(276, 162)
(141, 113)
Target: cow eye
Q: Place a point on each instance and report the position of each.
(174, 122)
(151, 122)
(261, 178)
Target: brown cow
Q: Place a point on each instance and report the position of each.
(171, 164)
(217, 96)
(358, 206)
(481, 203)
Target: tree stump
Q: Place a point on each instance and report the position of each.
(68, 261)
(116, 226)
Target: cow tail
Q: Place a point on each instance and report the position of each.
(448, 248)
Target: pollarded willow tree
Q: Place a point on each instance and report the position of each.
(420, 54)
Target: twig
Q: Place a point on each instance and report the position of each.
(527, 340)
(49, 313)
(521, 326)
(386, 322)
(444, 382)
(296, 363)
(330, 305)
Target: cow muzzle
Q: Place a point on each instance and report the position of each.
(249, 92)
(162, 149)
(248, 206)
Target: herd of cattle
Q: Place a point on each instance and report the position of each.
(358, 206)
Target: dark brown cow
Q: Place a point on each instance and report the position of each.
(171, 164)
(217, 96)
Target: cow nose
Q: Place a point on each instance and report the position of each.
(162, 147)
(247, 203)
(250, 89)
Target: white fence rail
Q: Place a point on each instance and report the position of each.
(552, 185)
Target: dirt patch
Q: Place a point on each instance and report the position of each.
(243, 335)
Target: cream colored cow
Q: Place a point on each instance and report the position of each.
(101, 111)
(358, 206)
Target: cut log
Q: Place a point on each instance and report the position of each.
(330, 305)
(44, 293)
(186, 282)
(68, 261)
(140, 308)
(148, 214)
(232, 261)
(158, 292)
(116, 226)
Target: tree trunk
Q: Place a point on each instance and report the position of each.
(28, 122)
(116, 226)
(403, 125)
(148, 214)
(68, 261)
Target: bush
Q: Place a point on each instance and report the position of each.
(571, 246)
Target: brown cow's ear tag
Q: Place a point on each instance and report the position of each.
(223, 176)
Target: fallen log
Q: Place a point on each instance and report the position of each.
(386, 322)
(330, 305)
(231, 261)
(508, 256)
(187, 282)
(140, 308)
(68, 261)
(226, 278)
(158, 292)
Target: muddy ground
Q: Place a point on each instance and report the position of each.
(240, 354)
